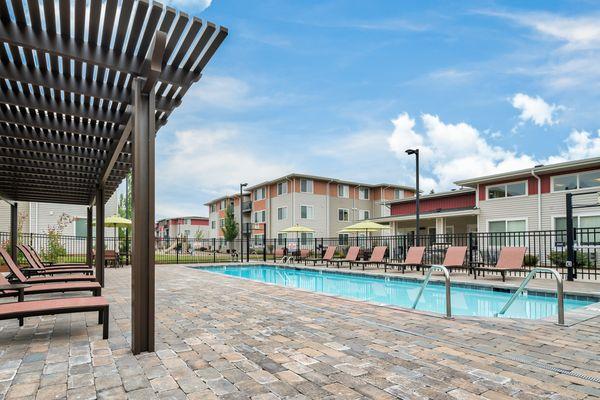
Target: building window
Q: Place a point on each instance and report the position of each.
(281, 239)
(306, 238)
(507, 190)
(213, 224)
(222, 205)
(343, 214)
(282, 188)
(259, 194)
(584, 236)
(343, 191)
(259, 216)
(259, 240)
(221, 222)
(343, 239)
(213, 208)
(397, 194)
(508, 232)
(363, 193)
(282, 213)
(583, 180)
(363, 214)
(306, 212)
(306, 185)
(188, 221)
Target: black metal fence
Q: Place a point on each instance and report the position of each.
(544, 248)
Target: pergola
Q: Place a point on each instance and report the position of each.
(85, 85)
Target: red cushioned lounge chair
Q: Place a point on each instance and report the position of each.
(376, 258)
(454, 259)
(38, 269)
(328, 256)
(351, 255)
(93, 287)
(414, 258)
(510, 260)
(39, 261)
(20, 310)
(16, 274)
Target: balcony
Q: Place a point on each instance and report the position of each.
(247, 206)
(247, 228)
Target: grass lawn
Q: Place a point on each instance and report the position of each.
(171, 258)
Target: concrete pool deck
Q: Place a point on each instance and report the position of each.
(223, 337)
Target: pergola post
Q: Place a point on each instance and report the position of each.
(100, 235)
(142, 271)
(89, 244)
(14, 230)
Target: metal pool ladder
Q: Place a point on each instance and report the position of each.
(426, 281)
(559, 292)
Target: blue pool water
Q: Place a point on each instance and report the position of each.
(467, 301)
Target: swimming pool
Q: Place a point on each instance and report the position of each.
(467, 300)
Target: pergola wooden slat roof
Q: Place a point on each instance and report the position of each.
(66, 89)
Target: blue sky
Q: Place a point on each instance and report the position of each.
(341, 88)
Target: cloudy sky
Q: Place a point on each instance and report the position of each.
(342, 88)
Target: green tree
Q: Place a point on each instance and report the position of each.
(230, 227)
(125, 210)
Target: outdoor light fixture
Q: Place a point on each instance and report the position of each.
(417, 227)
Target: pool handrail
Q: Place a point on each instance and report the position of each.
(559, 292)
(426, 282)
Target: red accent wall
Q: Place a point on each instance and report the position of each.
(203, 222)
(466, 200)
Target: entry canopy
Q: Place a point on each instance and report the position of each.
(66, 89)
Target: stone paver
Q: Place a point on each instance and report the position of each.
(223, 338)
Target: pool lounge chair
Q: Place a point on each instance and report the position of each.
(39, 261)
(19, 310)
(303, 255)
(39, 269)
(376, 258)
(93, 287)
(16, 274)
(328, 256)
(510, 260)
(454, 259)
(280, 254)
(414, 258)
(351, 255)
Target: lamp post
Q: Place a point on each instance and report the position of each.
(416, 153)
(242, 186)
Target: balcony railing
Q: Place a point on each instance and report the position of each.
(246, 206)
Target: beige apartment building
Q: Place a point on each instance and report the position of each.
(326, 205)
(38, 217)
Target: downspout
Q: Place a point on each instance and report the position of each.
(539, 198)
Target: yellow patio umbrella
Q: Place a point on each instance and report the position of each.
(298, 229)
(364, 226)
(116, 221)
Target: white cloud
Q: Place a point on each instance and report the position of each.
(535, 109)
(579, 144)
(199, 5)
(450, 152)
(224, 92)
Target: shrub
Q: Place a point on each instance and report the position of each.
(559, 259)
(530, 260)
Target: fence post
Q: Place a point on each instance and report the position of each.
(471, 239)
(247, 248)
(265, 243)
(177, 249)
(571, 273)
(315, 251)
(214, 249)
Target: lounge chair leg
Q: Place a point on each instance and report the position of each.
(104, 314)
(21, 321)
(503, 276)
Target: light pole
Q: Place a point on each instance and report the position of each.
(416, 153)
(242, 186)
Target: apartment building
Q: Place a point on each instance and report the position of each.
(524, 200)
(190, 227)
(38, 217)
(326, 205)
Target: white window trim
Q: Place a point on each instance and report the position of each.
(286, 213)
(286, 188)
(360, 190)
(347, 196)
(578, 215)
(487, 192)
(264, 191)
(307, 205)
(345, 209)
(361, 215)
(312, 185)
(572, 190)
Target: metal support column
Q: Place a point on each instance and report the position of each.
(571, 274)
(142, 266)
(100, 235)
(90, 237)
(14, 230)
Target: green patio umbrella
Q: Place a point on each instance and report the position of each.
(116, 221)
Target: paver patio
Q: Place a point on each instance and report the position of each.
(222, 337)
